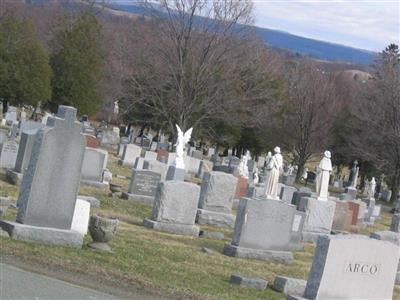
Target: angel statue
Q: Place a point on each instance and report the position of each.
(183, 139)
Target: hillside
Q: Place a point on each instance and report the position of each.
(296, 44)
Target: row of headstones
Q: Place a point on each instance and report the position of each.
(264, 230)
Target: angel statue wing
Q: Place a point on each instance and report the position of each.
(187, 135)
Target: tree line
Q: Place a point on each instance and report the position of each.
(199, 63)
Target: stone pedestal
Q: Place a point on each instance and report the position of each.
(319, 217)
(175, 208)
(263, 230)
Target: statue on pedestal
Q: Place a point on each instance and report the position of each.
(323, 174)
(274, 167)
(183, 139)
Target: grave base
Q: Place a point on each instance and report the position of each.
(181, 229)
(312, 237)
(43, 235)
(218, 219)
(138, 198)
(96, 184)
(270, 255)
(295, 297)
(14, 177)
(296, 247)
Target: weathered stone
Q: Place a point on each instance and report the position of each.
(150, 155)
(175, 207)
(102, 230)
(8, 154)
(157, 167)
(263, 230)
(249, 282)
(217, 192)
(319, 217)
(94, 164)
(289, 286)
(297, 231)
(129, 155)
(286, 194)
(143, 186)
(214, 218)
(341, 221)
(207, 250)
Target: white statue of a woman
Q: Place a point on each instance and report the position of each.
(323, 174)
(183, 139)
(371, 188)
(274, 167)
(243, 169)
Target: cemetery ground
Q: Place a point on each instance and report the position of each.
(147, 262)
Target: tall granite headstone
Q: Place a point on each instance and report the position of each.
(50, 184)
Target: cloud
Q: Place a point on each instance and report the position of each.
(364, 24)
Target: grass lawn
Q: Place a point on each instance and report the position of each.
(158, 262)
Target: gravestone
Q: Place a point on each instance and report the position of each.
(23, 157)
(157, 167)
(149, 155)
(297, 195)
(342, 217)
(349, 267)
(143, 186)
(319, 217)
(197, 154)
(129, 155)
(215, 202)
(174, 208)
(121, 149)
(11, 115)
(50, 184)
(109, 138)
(241, 187)
(92, 141)
(8, 154)
(286, 194)
(29, 125)
(263, 230)
(395, 225)
(94, 164)
(80, 220)
(164, 153)
(297, 231)
(289, 179)
(153, 146)
(139, 162)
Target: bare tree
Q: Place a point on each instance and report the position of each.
(192, 71)
(376, 131)
(305, 115)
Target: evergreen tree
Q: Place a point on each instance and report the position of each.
(77, 63)
(25, 73)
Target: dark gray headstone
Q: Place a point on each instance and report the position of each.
(144, 183)
(25, 150)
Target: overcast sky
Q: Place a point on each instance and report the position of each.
(363, 24)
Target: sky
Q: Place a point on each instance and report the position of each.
(364, 24)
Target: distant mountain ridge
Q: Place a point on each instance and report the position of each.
(297, 44)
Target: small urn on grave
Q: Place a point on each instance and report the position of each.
(102, 230)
